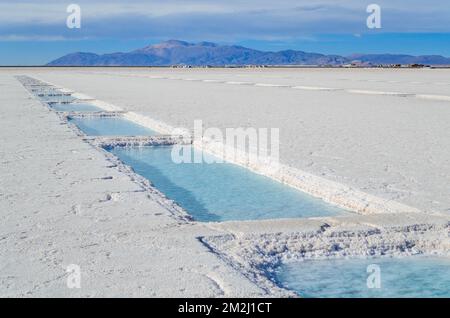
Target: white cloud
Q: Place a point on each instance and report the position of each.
(218, 18)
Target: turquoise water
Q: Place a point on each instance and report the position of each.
(221, 191)
(74, 107)
(414, 276)
(110, 126)
(57, 99)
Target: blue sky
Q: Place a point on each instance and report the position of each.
(35, 32)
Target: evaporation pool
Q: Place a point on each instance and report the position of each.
(110, 126)
(74, 107)
(56, 98)
(220, 191)
(413, 276)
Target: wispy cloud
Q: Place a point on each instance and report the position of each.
(14, 38)
(220, 19)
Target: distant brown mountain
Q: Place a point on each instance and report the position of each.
(176, 52)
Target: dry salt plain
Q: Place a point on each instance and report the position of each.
(374, 142)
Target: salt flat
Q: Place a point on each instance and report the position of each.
(397, 148)
(63, 201)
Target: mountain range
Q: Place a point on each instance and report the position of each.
(174, 52)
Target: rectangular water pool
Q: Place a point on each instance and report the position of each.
(110, 126)
(221, 191)
(56, 98)
(413, 276)
(74, 107)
